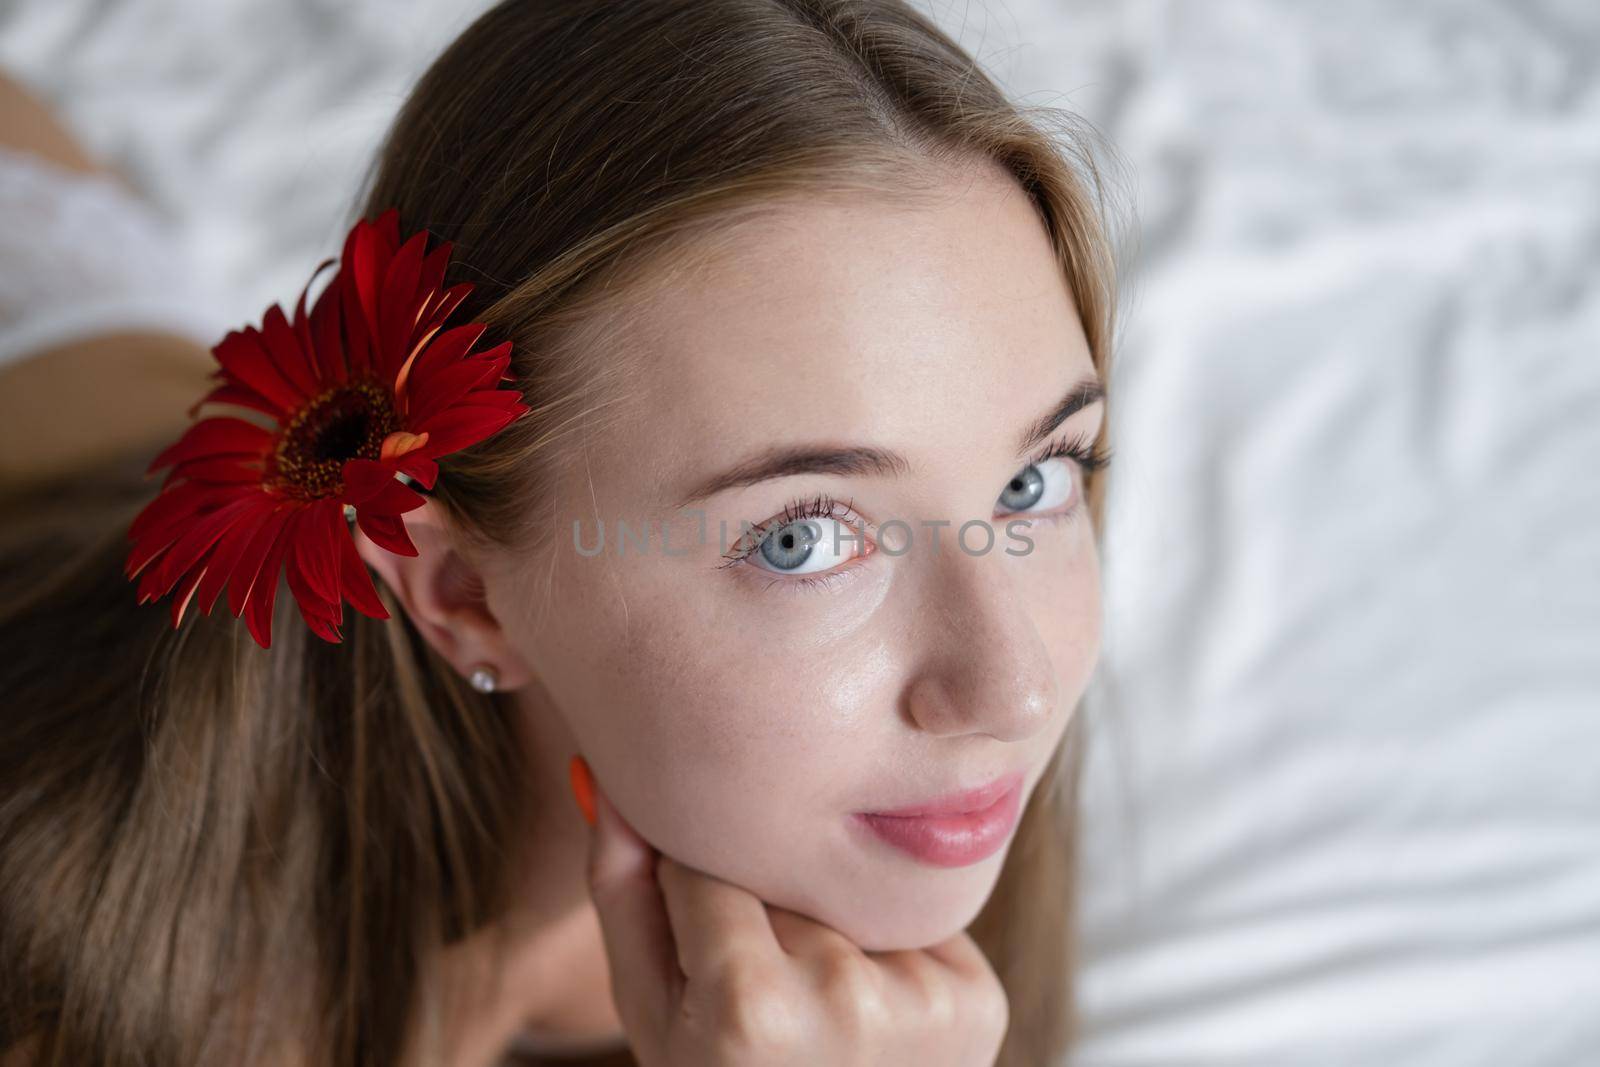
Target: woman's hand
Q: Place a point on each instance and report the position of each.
(705, 974)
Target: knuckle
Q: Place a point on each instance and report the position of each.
(935, 996)
(667, 875)
(989, 1006)
(852, 986)
(744, 977)
(750, 1010)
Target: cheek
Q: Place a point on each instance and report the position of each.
(1064, 596)
(737, 729)
(724, 734)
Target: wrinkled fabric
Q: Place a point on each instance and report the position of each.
(81, 255)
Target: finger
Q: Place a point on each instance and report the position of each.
(801, 935)
(713, 921)
(961, 953)
(633, 918)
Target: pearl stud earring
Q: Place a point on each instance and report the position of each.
(484, 679)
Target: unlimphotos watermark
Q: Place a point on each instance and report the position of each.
(975, 537)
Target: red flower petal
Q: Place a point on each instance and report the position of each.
(447, 302)
(364, 479)
(397, 303)
(386, 531)
(315, 555)
(394, 498)
(321, 615)
(447, 387)
(283, 344)
(325, 627)
(225, 557)
(243, 356)
(242, 583)
(258, 612)
(220, 434)
(420, 467)
(326, 322)
(171, 509)
(303, 332)
(188, 548)
(433, 268)
(356, 581)
(439, 358)
(357, 337)
(401, 389)
(371, 249)
(169, 516)
(461, 426)
(446, 350)
(400, 443)
(185, 592)
(240, 396)
(219, 469)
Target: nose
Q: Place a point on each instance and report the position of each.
(985, 668)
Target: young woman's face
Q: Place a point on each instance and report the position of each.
(739, 709)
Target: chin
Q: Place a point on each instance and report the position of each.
(917, 909)
(909, 932)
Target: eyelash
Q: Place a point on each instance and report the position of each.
(1089, 456)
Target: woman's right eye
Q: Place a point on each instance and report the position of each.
(807, 546)
(812, 535)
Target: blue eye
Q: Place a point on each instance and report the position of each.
(1024, 490)
(1047, 482)
(810, 536)
(1038, 487)
(808, 545)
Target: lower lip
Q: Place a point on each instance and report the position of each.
(950, 840)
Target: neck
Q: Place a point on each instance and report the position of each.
(568, 1002)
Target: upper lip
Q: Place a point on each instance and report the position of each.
(968, 800)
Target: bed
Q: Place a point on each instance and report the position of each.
(1342, 804)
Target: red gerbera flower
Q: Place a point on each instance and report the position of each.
(364, 387)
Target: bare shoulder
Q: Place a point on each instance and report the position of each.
(28, 123)
(80, 402)
(70, 406)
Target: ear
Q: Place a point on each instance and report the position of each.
(443, 595)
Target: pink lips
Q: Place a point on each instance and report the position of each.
(952, 831)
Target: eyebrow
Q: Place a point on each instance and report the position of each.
(863, 460)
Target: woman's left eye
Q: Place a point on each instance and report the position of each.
(1039, 487)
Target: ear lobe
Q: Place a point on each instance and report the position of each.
(443, 595)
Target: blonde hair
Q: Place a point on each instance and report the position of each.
(207, 848)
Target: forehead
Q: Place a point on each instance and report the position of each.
(933, 324)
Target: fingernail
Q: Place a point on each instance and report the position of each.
(582, 786)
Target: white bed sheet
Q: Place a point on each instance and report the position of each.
(1344, 801)
(81, 255)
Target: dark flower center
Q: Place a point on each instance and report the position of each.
(345, 422)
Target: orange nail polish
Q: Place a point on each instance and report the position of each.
(582, 786)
